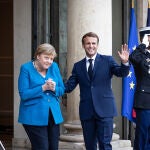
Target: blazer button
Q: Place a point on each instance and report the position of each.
(142, 90)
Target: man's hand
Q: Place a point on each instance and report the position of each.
(124, 54)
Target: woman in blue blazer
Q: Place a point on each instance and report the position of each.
(40, 85)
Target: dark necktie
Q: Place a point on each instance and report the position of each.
(90, 69)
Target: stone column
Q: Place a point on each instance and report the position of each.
(84, 16)
(22, 53)
(142, 7)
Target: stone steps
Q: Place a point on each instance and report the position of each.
(123, 148)
(117, 144)
(121, 145)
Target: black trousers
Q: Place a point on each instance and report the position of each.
(43, 137)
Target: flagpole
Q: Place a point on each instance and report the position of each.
(133, 3)
(129, 134)
(148, 3)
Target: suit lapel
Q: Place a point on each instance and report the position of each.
(96, 65)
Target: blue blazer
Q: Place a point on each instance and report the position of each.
(96, 96)
(34, 103)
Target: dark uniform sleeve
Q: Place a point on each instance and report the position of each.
(136, 56)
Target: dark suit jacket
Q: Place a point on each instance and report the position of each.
(96, 96)
(140, 59)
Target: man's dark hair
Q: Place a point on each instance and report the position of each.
(90, 34)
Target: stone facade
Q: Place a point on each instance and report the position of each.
(82, 17)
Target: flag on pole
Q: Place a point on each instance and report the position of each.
(129, 82)
(148, 14)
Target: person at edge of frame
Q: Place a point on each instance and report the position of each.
(140, 59)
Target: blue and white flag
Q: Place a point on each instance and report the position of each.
(129, 82)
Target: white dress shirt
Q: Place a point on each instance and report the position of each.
(87, 61)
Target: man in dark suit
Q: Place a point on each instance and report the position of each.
(97, 105)
(140, 58)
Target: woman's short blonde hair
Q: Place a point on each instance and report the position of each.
(45, 48)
